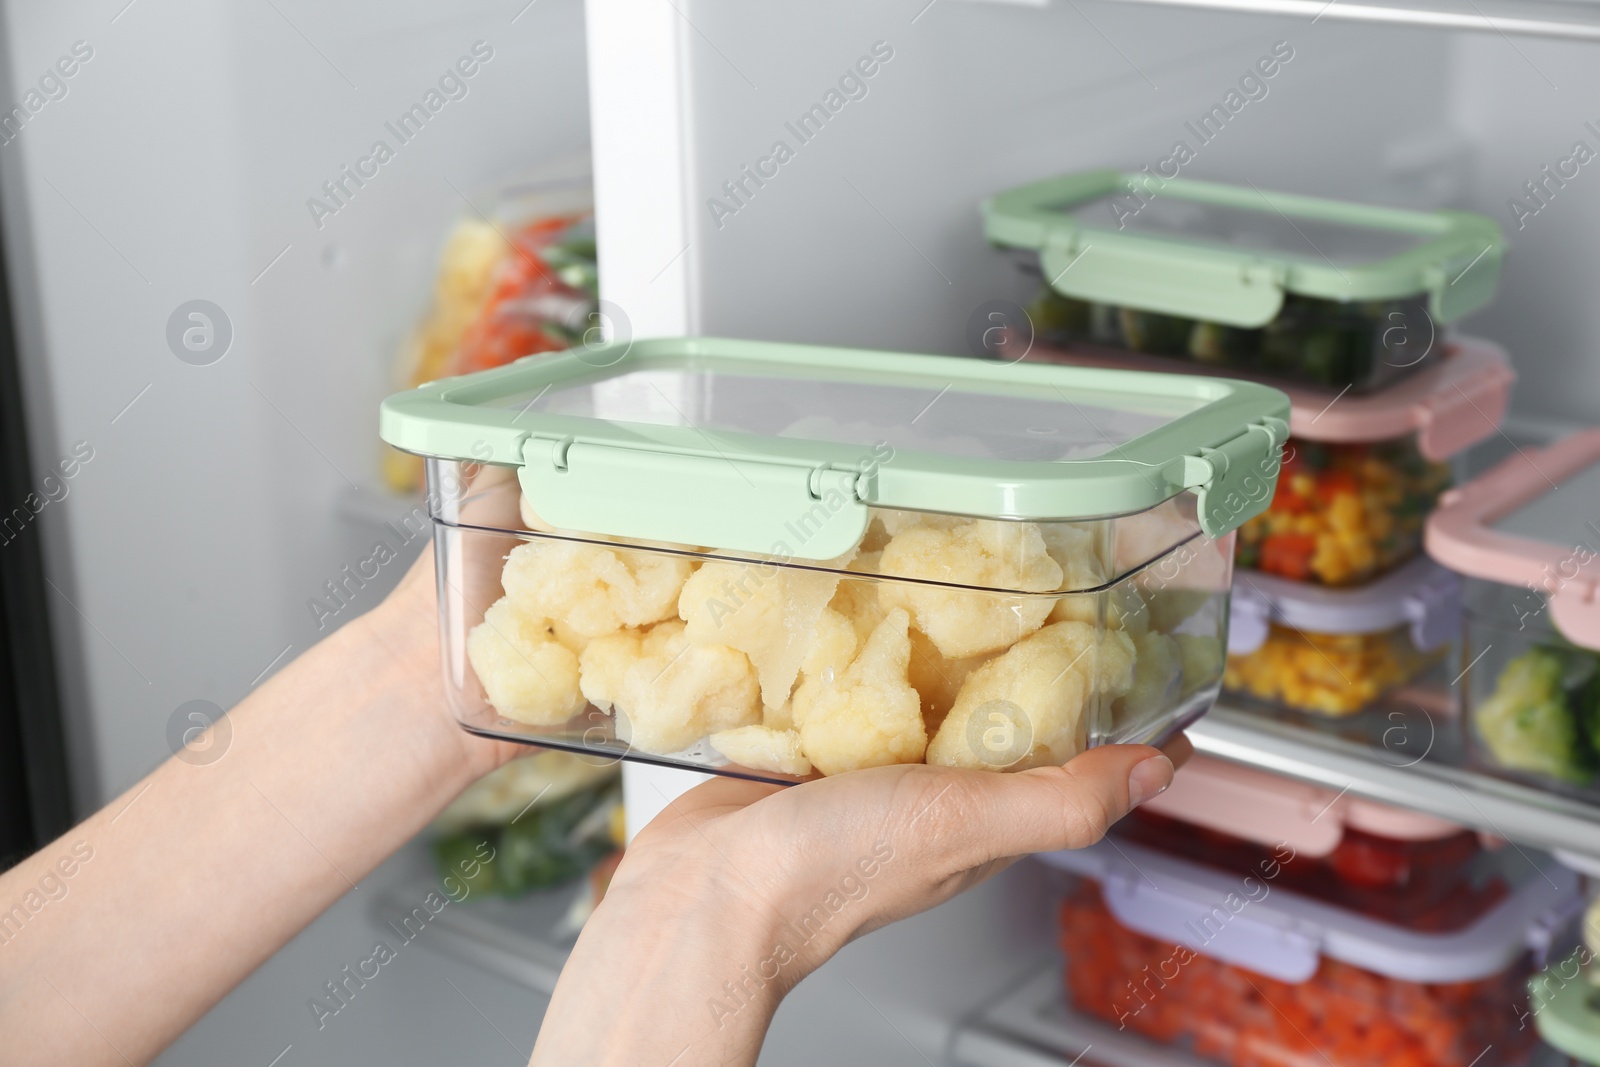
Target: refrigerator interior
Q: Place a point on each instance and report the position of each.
(179, 165)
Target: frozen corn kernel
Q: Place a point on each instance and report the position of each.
(1331, 674)
(768, 612)
(974, 552)
(761, 748)
(593, 590)
(1026, 707)
(667, 692)
(526, 673)
(869, 716)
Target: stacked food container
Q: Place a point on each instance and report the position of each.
(1240, 968)
(1528, 533)
(779, 561)
(1344, 306)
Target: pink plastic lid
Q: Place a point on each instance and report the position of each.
(1532, 522)
(1267, 809)
(1421, 595)
(1450, 405)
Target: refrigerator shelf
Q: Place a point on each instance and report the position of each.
(515, 939)
(1525, 18)
(1405, 754)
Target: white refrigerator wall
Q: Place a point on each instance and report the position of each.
(177, 167)
(869, 234)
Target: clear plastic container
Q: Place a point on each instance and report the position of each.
(732, 556)
(1317, 292)
(1526, 530)
(1397, 864)
(1362, 472)
(1245, 970)
(1337, 651)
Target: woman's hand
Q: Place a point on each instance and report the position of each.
(739, 890)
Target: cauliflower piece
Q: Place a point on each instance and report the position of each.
(1040, 687)
(869, 716)
(779, 718)
(832, 650)
(1080, 550)
(761, 748)
(592, 590)
(1157, 678)
(766, 611)
(895, 522)
(1125, 609)
(1203, 658)
(667, 692)
(527, 675)
(937, 678)
(975, 552)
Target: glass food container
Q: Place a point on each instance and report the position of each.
(1564, 997)
(779, 561)
(1336, 651)
(1361, 473)
(1244, 970)
(1529, 532)
(1399, 865)
(1317, 292)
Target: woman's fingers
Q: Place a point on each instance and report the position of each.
(1072, 806)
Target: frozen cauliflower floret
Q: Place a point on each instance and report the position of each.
(667, 692)
(832, 650)
(1157, 678)
(1042, 686)
(761, 748)
(526, 673)
(937, 678)
(593, 590)
(895, 522)
(766, 611)
(869, 716)
(974, 552)
(1202, 658)
(1080, 551)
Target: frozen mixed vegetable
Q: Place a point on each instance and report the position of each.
(874, 658)
(1544, 714)
(1329, 674)
(1343, 513)
(1315, 342)
(535, 822)
(500, 293)
(1343, 1014)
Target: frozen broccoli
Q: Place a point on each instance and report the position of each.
(1529, 724)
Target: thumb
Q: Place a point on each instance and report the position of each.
(1071, 806)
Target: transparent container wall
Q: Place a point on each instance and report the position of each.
(1327, 343)
(1327, 674)
(974, 643)
(1322, 343)
(1532, 697)
(1343, 1014)
(1344, 513)
(1441, 884)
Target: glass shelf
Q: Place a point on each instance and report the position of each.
(1564, 19)
(1407, 753)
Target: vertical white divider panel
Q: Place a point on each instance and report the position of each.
(639, 128)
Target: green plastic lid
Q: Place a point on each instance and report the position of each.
(1228, 254)
(744, 445)
(1567, 1011)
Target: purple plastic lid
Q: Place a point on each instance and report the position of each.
(1421, 594)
